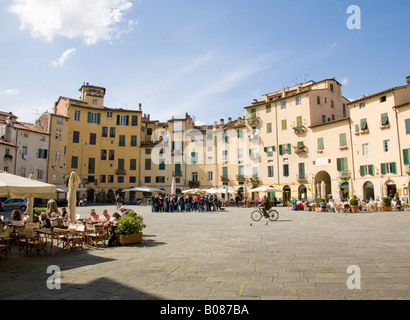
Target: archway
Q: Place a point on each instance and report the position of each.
(286, 194)
(390, 189)
(344, 190)
(319, 178)
(368, 190)
(302, 192)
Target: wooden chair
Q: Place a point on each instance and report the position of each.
(3, 251)
(30, 240)
(5, 239)
(96, 234)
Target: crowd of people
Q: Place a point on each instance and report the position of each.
(185, 203)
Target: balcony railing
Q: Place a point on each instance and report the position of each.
(344, 174)
(177, 173)
(299, 129)
(252, 120)
(120, 172)
(240, 177)
(224, 178)
(301, 177)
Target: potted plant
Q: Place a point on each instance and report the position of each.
(354, 204)
(318, 204)
(129, 228)
(386, 204)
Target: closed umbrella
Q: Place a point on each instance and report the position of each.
(318, 191)
(30, 201)
(73, 184)
(173, 186)
(323, 189)
(350, 189)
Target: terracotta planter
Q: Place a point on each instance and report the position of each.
(318, 209)
(130, 239)
(355, 209)
(386, 208)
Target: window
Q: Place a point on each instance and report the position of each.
(254, 172)
(178, 126)
(285, 149)
(225, 172)
(240, 154)
(224, 155)
(406, 156)
(91, 165)
(362, 105)
(76, 137)
(147, 164)
(269, 151)
(283, 105)
(42, 153)
(365, 148)
(122, 141)
(103, 178)
(133, 179)
(320, 144)
(270, 171)
(268, 108)
(301, 167)
(147, 179)
(161, 164)
(241, 171)
(74, 162)
(298, 100)
(122, 120)
(112, 132)
(331, 87)
(121, 164)
(103, 154)
(133, 141)
(342, 140)
(59, 134)
(120, 179)
(367, 170)
(111, 155)
(194, 157)
(385, 119)
(210, 175)
(93, 139)
(133, 164)
(342, 164)
(94, 117)
(109, 115)
(77, 115)
(323, 118)
(284, 124)
(286, 170)
(194, 176)
(269, 128)
(209, 136)
(94, 102)
(332, 104)
(104, 132)
(388, 168)
(134, 120)
(344, 111)
(386, 146)
(383, 99)
(110, 178)
(59, 121)
(318, 100)
(299, 121)
(407, 125)
(149, 131)
(363, 124)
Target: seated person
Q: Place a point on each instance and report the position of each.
(333, 206)
(105, 217)
(16, 216)
(94, 217)
(45, 220)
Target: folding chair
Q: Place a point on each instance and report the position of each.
(96, 234)
(31, 241)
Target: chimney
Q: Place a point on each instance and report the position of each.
(408, 80)
(140, 107)
(215, 124)
(222, 122)
(229, 120)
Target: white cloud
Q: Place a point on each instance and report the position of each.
(10, 92)
(333, 45)
(91, 20)
(66, 54)
(345, 81)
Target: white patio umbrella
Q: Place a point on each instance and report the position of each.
(350, 189)
(173, 186)
(21, 187)
(265, 189)
(30, 201)
(73, 184)
(318, 195)
(143, 189)
(323, 189)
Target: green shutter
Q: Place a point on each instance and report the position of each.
(363, 124)
(339, 164)
(89, 117)
(385, 119)
(299, 121)
(320, 144)
(371, 170)
(362, 171)
(406, 156)
(342, 140)
(393, 166)
(98, 118)
(289, 148)
(280, 150)
(345, 166)
(383, 168)
(407, 124)
(118, 120)
(127, 121)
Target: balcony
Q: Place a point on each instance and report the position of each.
(240, 178)
(120, 172)
(299, 129)
(224, 178)
(300, 149)
(301, 177)
(344, 174)
(177, 173)
(253, 120)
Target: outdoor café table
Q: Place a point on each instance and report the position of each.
(51, 233)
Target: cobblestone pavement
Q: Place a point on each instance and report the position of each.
(220, 255)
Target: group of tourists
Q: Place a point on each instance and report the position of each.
(185, 203)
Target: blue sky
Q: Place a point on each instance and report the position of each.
(209, 58)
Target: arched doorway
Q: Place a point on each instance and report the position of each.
(390, 189)
(302, 192)
(344, 190)
(320, 177)
(368, 190)
(286, 194)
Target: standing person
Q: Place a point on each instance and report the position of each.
(118, 202)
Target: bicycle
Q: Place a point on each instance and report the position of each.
(257, 215)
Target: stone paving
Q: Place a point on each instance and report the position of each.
(221, 256)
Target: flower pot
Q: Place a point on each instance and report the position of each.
(129, 239)
(318, 209)
(386, 208)
(355, 209)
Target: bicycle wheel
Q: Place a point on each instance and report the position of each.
(273, 215)
(256, 215)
